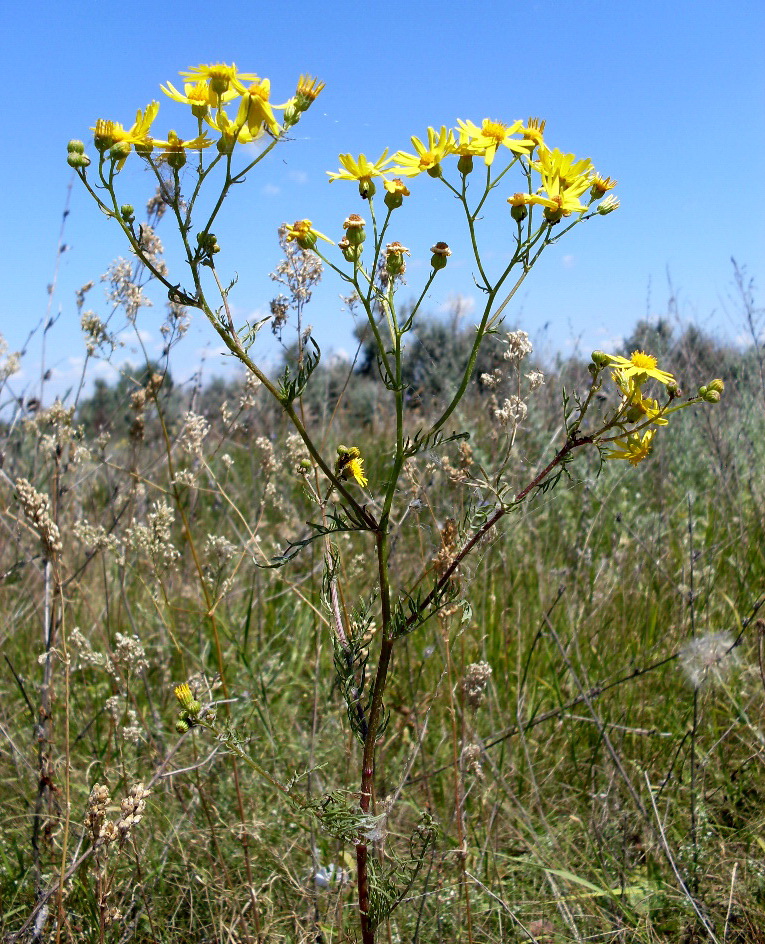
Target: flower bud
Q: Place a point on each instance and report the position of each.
(465, 164)
(673, 390)
(127, 212)
(716, 384)
(396, 190)
(75, 147)
(119, 151)
(367, 189)
(610, 204)
(304, 466)
(441, 253)
(600, 359)
(354, 230)
(77, 160)
(350, 253)
(176, 159)
(394, 259)
(713, 396)
(208, 243)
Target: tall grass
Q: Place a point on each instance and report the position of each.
(585, 789)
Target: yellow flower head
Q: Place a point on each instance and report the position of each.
(428, 157)
(601, 185)
(199, 95)
(183, 694)
(396, 187)
(533, 131)
(174, 149)
(633, 448)
(570, 172)
(309, 89)
(110, 133)
(231, 132)
(641, 366)
(350, 465)
(220, 77)
(256, 111)
(637, 408)
(303, 233)
(363, 170)
(487, 139)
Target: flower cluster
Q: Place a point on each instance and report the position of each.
(564, 179)
(637, 416)
(208, 90)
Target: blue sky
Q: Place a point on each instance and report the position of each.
(667, 97)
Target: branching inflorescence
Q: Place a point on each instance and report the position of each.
(234, 126)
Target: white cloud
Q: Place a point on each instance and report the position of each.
(568, 262)
(270, 190)
(298, 176)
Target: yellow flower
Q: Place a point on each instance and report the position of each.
(183, 694)
(440, 145)
(360, 168)
(355, 470)
(256, 111)
(220, 77)
(396, 187)
(350, 465)
(199, 95)
(303, 233)
(571, 174)
(109, 133)
(556, 205)
(309, 88)
(601, 185)
(634, 448)
(533, 131)
(637, 408)
(487, 139)
(641, 366)
(174, 149)
(231, 132)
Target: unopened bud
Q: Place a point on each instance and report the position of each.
(600, 359)
(441, 253)
(465, 164)
(354, 230)
(75, 160)
(127, 212)
(75, 147)
(716, 384)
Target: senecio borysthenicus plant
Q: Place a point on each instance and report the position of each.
(557, 193)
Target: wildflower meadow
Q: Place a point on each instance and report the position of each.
(443, 642)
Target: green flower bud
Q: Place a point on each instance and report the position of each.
(441, 253)
(182, 726)
(75, 147)
(350, 253)
(354, 230)
(519, 212)
(119, 151)
(127, 212)
(716, 384)
(367, 189)
(304, 466)
(77, 160)
(600, 359)
(465, 164)
(176, 159)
